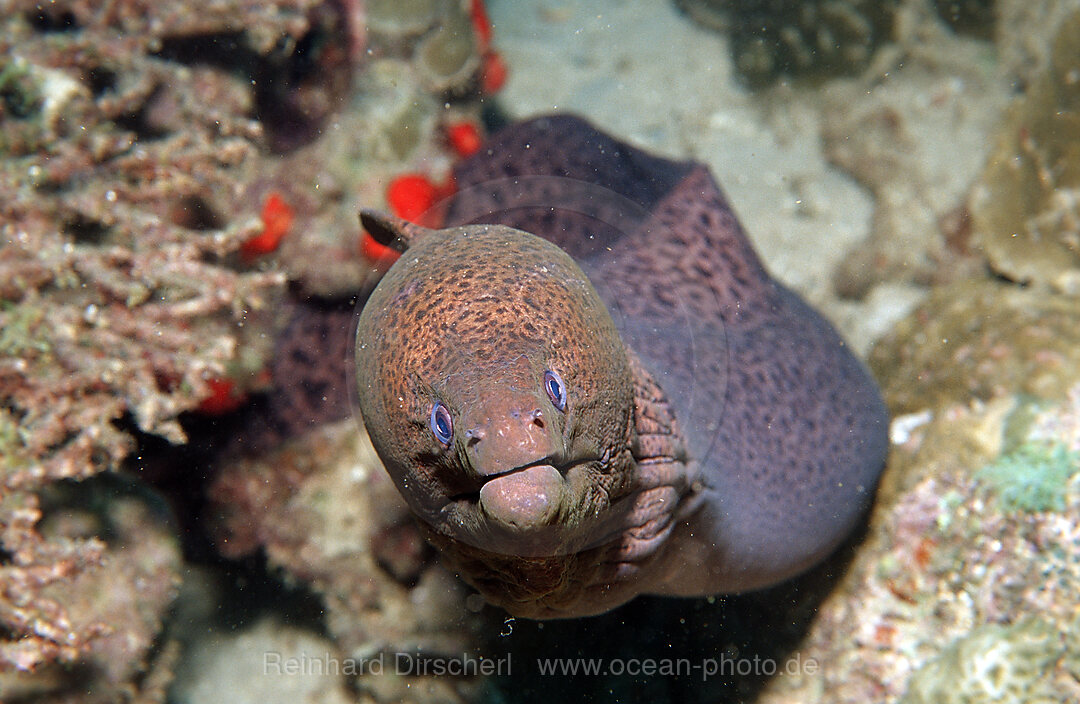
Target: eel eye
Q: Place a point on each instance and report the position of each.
(556, 389)
(442, 425)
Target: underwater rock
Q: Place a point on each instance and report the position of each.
(956, 595)
(1025, 55)
(448, 57)
(980, 340)
(440, 39)
(916, 144)
(322, 509)
(774, 38)
(266, 663)
(1029, 661)
(1026, 207)
(403, 18)
(965, 588)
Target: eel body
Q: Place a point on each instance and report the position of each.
(622, 402)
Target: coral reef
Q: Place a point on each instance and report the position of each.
(153, 157)
(1026, 206)
(116, 304)
(105, 567)
(324, 511)
(916, 146)
(774, 38)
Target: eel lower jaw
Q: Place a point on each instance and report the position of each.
(472, 498)
(524, 500)
(521, 510)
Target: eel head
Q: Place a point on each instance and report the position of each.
(497, 391)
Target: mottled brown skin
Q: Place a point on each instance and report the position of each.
(718, 436)
(547, 512)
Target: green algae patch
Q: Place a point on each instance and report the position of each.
(20, 330)
(1033, 478)
(1026, 207)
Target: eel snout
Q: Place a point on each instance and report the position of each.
(513, 449)
(511, 435)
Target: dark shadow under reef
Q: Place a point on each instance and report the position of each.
(723, 650)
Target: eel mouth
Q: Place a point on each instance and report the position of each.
(472, 497)
(530, 499)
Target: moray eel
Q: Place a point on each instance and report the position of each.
(672, 422)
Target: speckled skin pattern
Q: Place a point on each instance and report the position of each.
(717, 437)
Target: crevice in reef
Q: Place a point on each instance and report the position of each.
(297, 86)
(180, 475)
(83, 230)
(225, 50)
(193, 212)
(140, 123)
(46, 22)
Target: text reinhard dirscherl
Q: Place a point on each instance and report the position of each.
(406, 664)
(469, 665)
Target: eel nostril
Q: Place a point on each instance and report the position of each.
(474, 436)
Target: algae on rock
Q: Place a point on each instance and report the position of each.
(1026, 209)
(996, 663)
(1033, 477)
(980, 339)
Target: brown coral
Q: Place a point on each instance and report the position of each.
(118, 305)
(90, 583)
(138, 144)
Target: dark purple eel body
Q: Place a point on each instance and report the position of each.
(778, 433)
